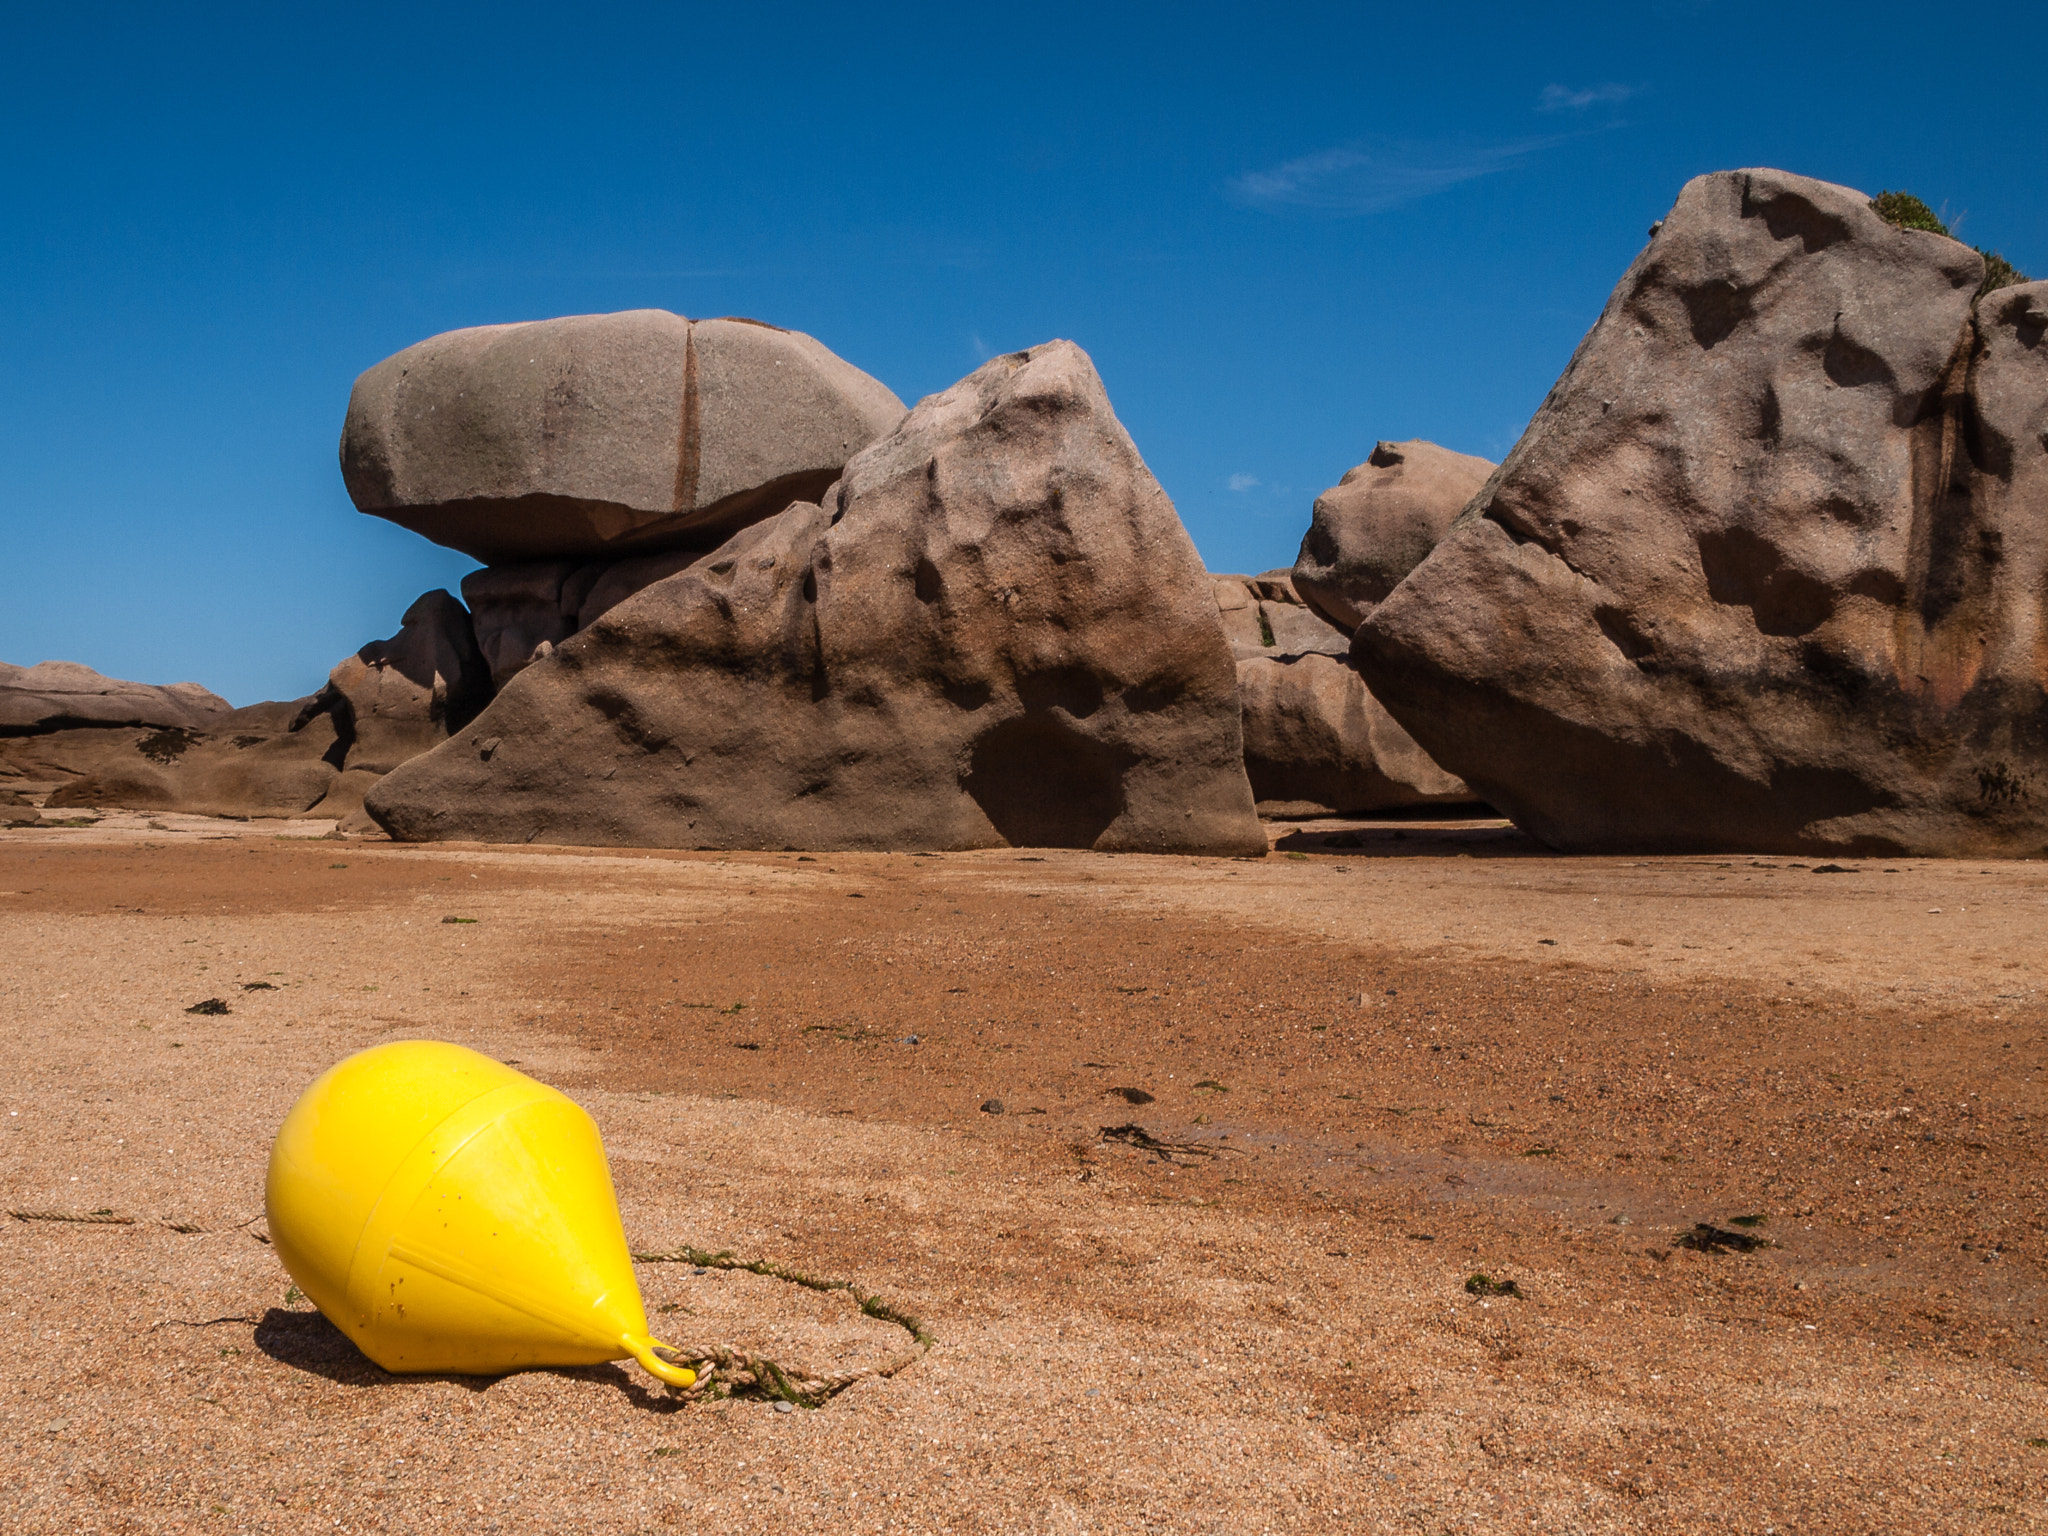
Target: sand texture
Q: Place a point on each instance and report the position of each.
(1382, 1061)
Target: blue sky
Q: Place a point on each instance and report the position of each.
(1282, 231)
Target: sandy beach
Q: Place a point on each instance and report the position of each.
(1187, 1164)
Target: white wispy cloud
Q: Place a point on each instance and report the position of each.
(1355, 178)
(1563, 98)
(1244, 482)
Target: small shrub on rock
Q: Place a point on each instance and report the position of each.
(1906, 211)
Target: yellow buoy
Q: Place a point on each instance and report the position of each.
(450, 1214)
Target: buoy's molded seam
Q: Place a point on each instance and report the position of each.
(414, 1172)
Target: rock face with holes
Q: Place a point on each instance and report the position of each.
(601, 436)
(1315, 739)
(1378, 523)
(1767, 570)
(993, 629)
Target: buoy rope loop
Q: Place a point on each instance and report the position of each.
(722, 1371)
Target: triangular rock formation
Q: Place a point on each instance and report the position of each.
(1767, 571)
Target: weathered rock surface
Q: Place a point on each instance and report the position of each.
(397, 698)
(53, 694)
(517, 610)
(603, 435)
(617, 582)
(1315, 739)
(1767, 570)
(993, 630)
(1378, 523)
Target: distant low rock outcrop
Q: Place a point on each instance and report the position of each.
(251, 762)
(53, 694)
(1378, 523)
(1315, 739)
(312, 757)
(1766, 572)
(600, 436)
(992, 630)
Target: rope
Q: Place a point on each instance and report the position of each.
(90, 1218)
(107, 1218)
(723, 1371)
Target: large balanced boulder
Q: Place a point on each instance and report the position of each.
(54, 694)
(1766, 571)
(1378, 523)
(1316, 741)
(603, 435)
(994, 629)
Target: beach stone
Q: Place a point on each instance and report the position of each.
(992, 630)
(52, 695)
(1316, 742)
(1263, 616)
(1765, 572)
(1378, 523)
(598, 436)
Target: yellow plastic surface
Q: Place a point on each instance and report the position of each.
(450, 1214)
